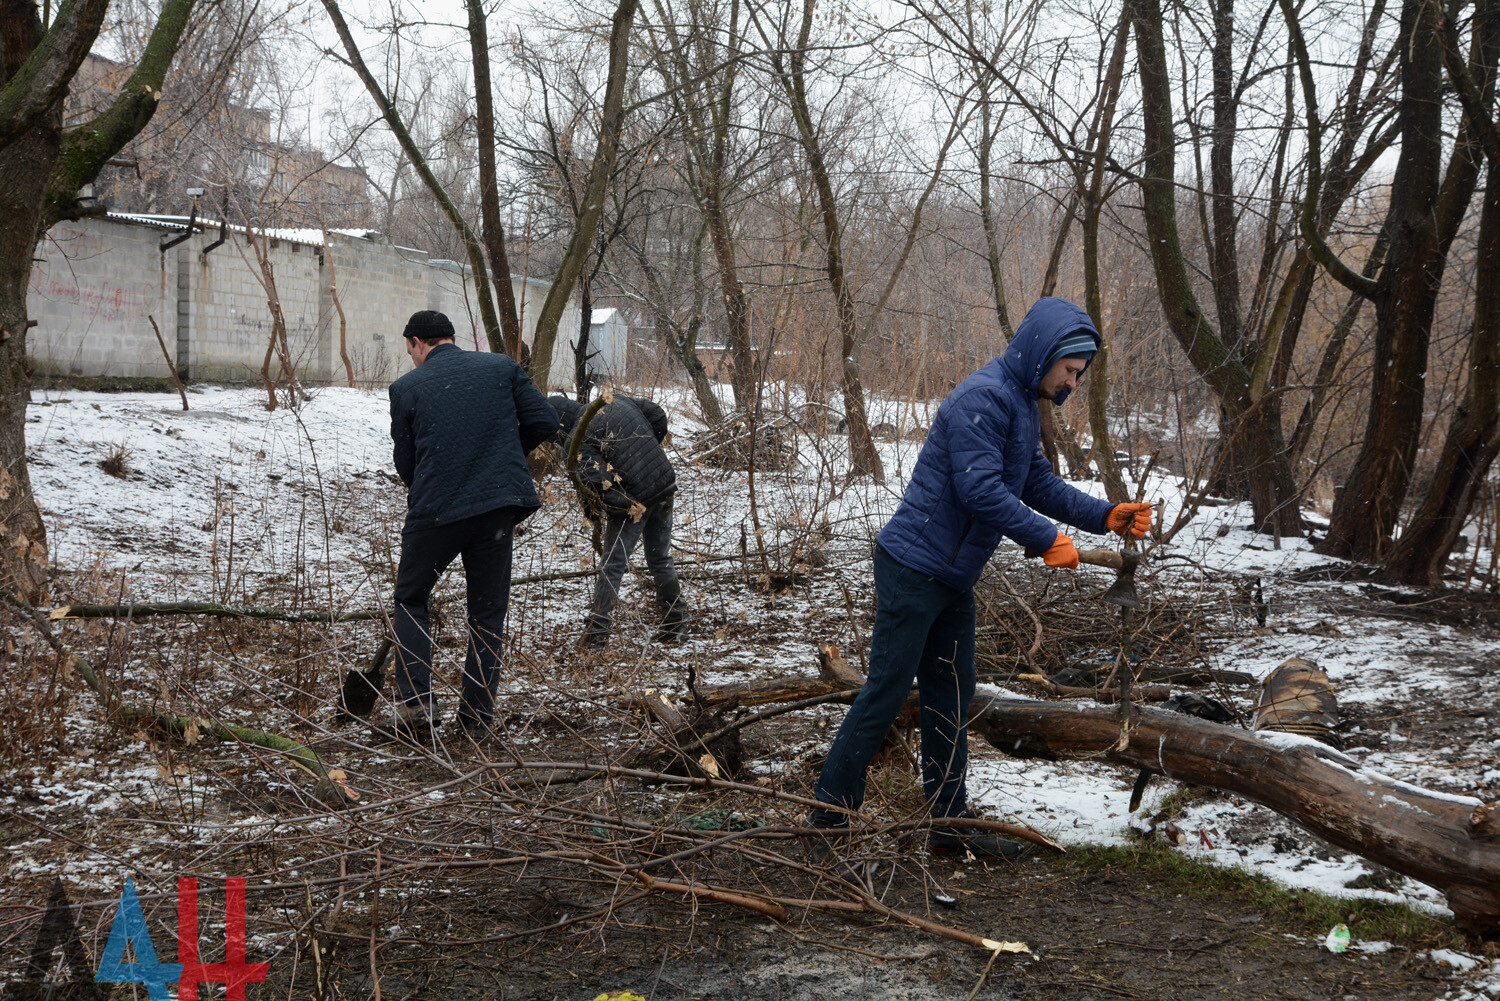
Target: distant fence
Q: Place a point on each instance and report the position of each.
(96, 282)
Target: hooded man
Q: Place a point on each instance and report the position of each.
(461, 425)
(981, 475)
(626, 470)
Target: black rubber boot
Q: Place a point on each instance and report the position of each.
(674, 622)
(965, 841)
(595, 632)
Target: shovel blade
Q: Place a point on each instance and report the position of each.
(361, 692)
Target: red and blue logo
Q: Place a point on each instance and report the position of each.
(129, 928)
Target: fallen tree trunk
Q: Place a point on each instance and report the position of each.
(131, 610)
(1450, 842)
(1433, 837)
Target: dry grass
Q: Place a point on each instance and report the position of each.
(116, 462)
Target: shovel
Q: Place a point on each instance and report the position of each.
(362, 688)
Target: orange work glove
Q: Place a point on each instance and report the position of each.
(1062, 554)
(1129, 519)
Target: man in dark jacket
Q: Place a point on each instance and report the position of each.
(462, 423)
(981, 475)
(631, 485)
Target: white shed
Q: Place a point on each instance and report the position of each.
(609, 339)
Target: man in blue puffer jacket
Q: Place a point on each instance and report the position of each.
(981, 475)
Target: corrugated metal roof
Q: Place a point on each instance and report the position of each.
(303, 235)
(306, 236)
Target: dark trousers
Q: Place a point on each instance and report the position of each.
(484, 542)
(923, 630)
(621, 534)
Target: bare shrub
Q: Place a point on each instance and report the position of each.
(116, 462)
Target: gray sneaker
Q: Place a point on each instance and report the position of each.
(412, 721)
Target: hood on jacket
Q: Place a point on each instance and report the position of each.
(1046, 323)
(568, 412)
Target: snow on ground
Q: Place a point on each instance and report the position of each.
(227, 500)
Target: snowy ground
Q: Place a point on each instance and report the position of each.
(231, 502)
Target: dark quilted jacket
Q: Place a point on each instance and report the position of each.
(982, 474)
(621, 454)
(462, 424)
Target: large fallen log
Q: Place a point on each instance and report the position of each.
(1442, 840)
(1449, 842)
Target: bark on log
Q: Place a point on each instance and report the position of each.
(787, 688)
(1426, 835)
(1145, 693)
(1194, 676)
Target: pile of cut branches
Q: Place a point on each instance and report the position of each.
(729, 445)
(1039, 621)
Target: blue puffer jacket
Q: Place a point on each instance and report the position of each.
(982, 473)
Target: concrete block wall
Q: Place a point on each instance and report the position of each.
(379, 286)
(98, 279)
(230, 316)
(535, 291)
(451, 292)
(93, 286)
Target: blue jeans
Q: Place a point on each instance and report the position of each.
(924, 630)
(621, 534)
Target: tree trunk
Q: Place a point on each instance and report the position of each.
(581, 349)
(1443, 840)
(41, 172)
(1367, 510)
(1421, 554)
(1430, 837)
(333, 294)
(489, 188)
(1046, 412)
(1103, 451)
(742, 374)
(686, 351)
(987, 218)
(1067, 444)
(24, 168)
(606, 155)
(1093, 297)
(701, 78)
(1224, 262)
(683, 341)
(864, 459)
(1256, 445)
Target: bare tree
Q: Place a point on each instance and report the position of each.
(1420, 555)
(591, 208)
(489, 187)
(700, 62)
(1427, 205)
(42, 169)
(388, 110)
